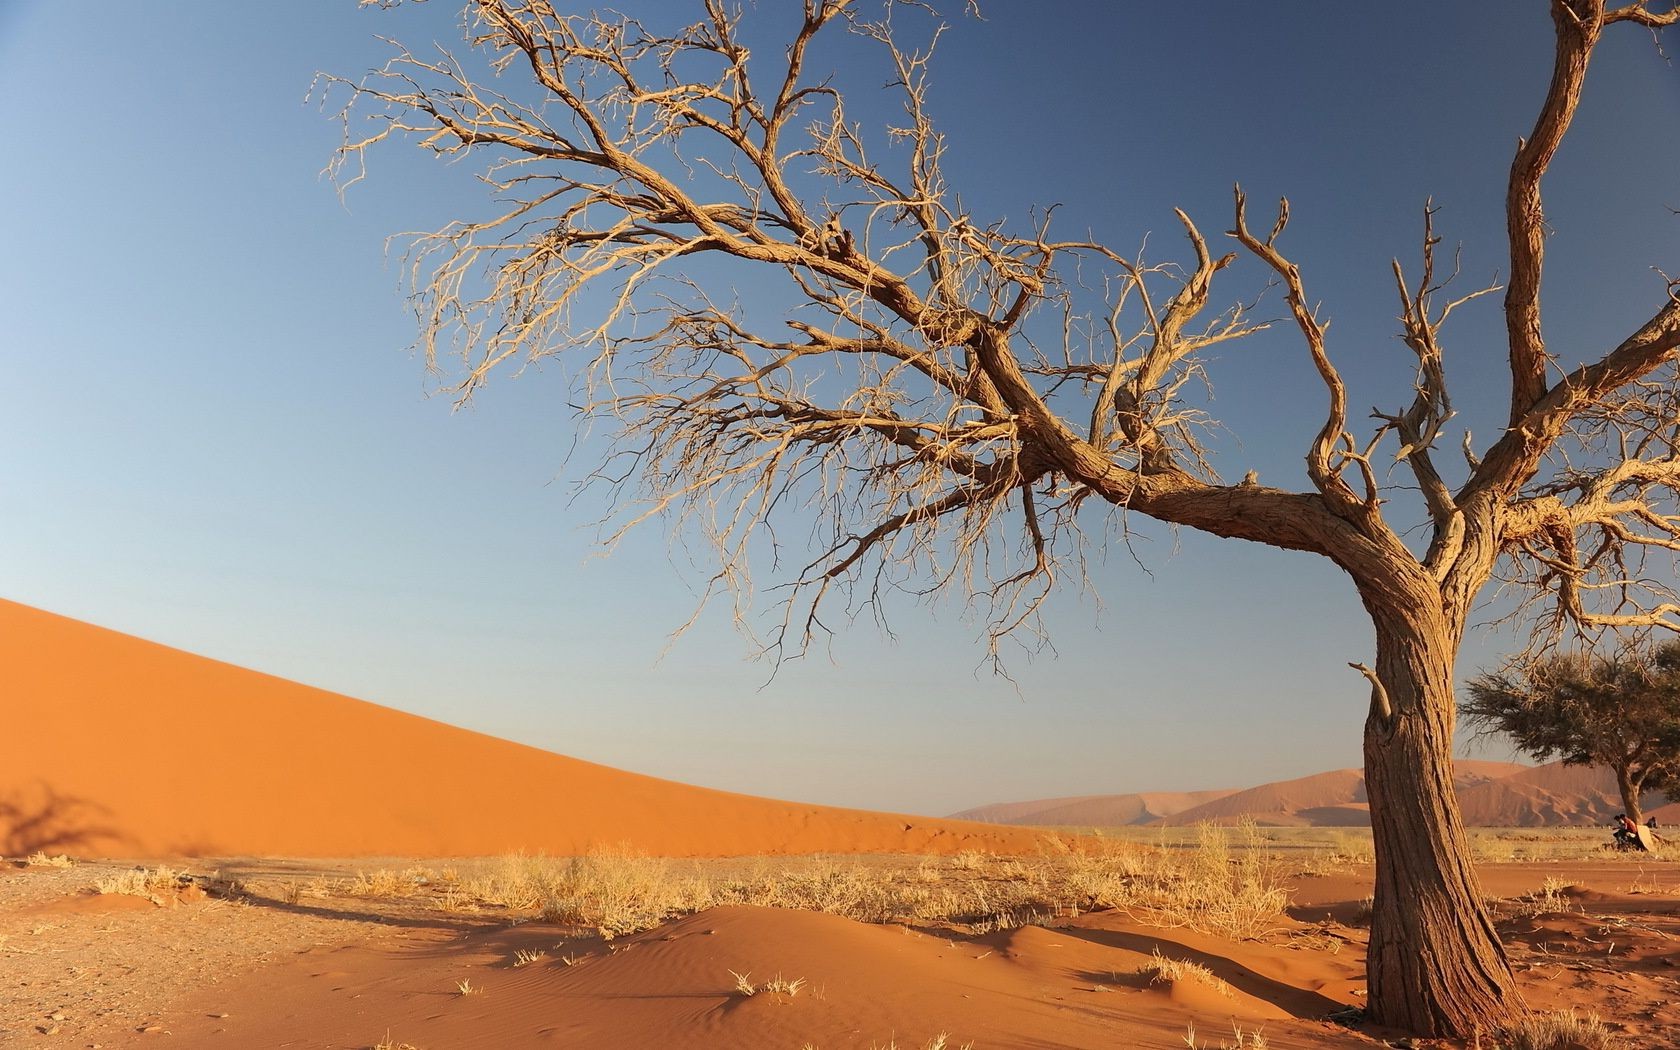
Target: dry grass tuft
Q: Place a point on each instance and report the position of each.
(153, 884)
(1245, 1040)
(527, 956)
(39, 859)
(1162, 970)
(387, 1044)
(779, 985)
(1561, 1031)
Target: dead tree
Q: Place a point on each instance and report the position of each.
(933, 402)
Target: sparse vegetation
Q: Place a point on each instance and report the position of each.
(1245, 1039)
(388, 1044)
(153, 883)
(527, 956)
(38, 859)
(466, 987)
(1162, 970)
(1561, 1031)
(779, 985)
(1230, 885)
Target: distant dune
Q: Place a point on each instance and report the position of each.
(1553, 794)
(1491, 794)
(114, 746)
(1093, 810)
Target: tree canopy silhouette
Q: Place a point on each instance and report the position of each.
(1620, 711)
(950, 397)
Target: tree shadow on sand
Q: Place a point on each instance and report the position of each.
(1297, 1002)
(41, 819)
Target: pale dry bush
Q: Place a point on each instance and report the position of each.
(387, 883)
(1346, 849)
(153, 883)
(618, 891)
(1550, 898)
(38, 859)
(1237, 893)
(1561, 1031)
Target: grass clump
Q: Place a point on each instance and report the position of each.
(1561, 1031)
(1236, 893)
(151, 883)
(1162, 970)
(1245, 1040)
(39, 859)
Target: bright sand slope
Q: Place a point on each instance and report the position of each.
(115, 746)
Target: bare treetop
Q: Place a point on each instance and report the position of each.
(929, 382)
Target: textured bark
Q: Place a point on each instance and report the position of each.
(1435, 964)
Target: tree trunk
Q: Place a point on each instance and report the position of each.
(1435, 965)
(1630, 794)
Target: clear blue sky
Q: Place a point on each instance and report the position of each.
(214, 437)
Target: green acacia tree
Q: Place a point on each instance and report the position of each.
(949, 398)
(1620, 711)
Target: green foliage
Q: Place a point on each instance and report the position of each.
(1621, 711)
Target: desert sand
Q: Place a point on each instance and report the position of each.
(115, 746)
(262, 967)
(907, 933)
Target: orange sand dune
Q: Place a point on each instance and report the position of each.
(1333, 799)
(1548, 795)
(114, 746)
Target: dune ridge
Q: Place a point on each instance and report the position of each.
(116, 746)
(1490, 794)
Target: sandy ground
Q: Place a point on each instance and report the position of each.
(250, 955)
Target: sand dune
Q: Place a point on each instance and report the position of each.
(1548, 795)
(1491, 794)
(1332, 799)
(114, 746)
(1093, 810)
(1335, 799)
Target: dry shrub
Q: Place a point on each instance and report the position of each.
(38, 859)
(617, 891)
(1214, 889)
(1561, 1031)
(153, 884)
(387, 883)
